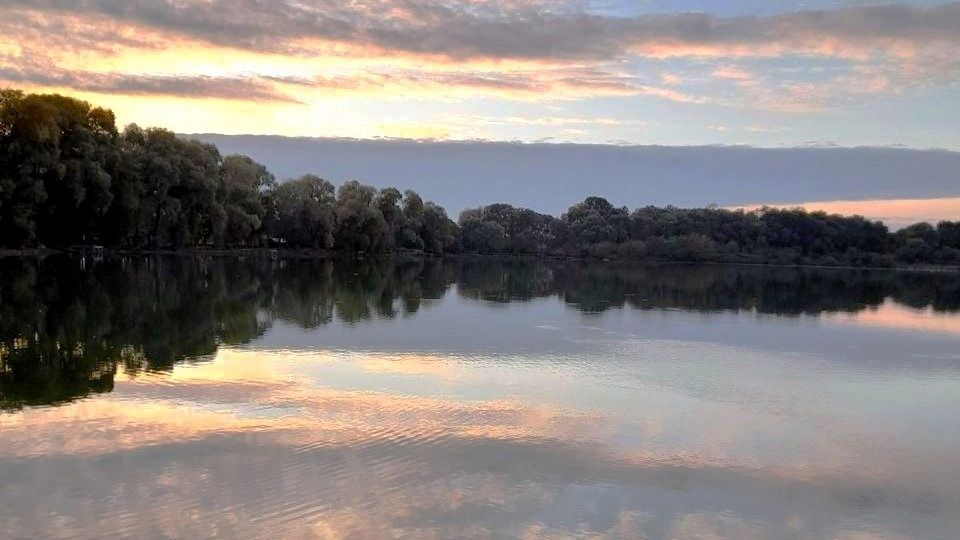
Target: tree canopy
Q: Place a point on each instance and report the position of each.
(68, 176)
(596, 228)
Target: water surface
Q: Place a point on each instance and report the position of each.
(190, 397)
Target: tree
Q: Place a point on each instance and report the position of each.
(360, 225)
(54, 182)
(439, 233)
(409, 235)
(180, 182)
(123, 220)
(302, 212)
(388, 202)
(21, 190)
(242, 182)
(917, 243)
(596, 220)
(482, 236)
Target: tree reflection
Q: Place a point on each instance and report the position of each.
(67, 324)
(597, 287)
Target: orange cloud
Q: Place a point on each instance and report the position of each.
(321, 54)
(314, 59)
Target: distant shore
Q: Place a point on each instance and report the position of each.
(144, 187)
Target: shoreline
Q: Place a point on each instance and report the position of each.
(310, 253)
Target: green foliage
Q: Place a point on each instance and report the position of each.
(595, 220)
(302, 212)
(55, 155)
(595, 228)
(360, 225)
(242, 182)
(68, 177)
(483, 236)
(503, 228)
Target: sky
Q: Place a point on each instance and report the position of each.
(759, 72)
(762, 73)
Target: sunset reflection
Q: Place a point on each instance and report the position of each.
(287, 445)
(898, 317)
(702, 402)
(325, 438)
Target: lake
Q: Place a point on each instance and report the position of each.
(197, 396)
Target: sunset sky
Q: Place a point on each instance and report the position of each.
(669, 72)
(848, 72)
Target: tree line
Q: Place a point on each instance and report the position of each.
(68, 176)
(596, 228)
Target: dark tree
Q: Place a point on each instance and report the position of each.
(68, 177)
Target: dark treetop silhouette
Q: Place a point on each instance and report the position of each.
(68, 177)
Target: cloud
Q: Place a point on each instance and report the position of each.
(317, 51)
(546, 83)
(733, 73)
(815, 88)
(18, 72)
(462, 29)
(36, 31)
(670, 79)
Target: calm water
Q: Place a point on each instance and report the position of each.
(199, 397)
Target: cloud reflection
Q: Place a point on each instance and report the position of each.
(261, 444)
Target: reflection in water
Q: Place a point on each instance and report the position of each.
(476, 398)
(896, 316)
